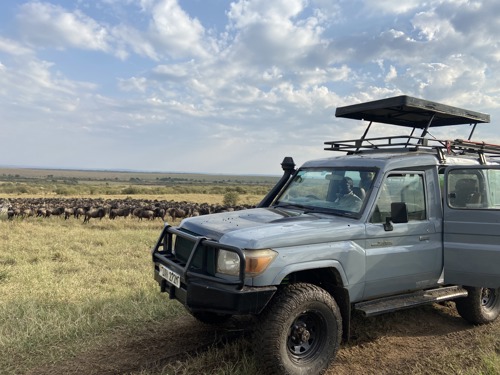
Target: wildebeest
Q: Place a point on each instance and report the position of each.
(57, 211)
(68, 212)
(177, 213)
(78, 212)
(12, 212)
(42, 212)
(26, 212)
(94, 213)
(143, 213)
(159, 212)
(114, 212)
(142, 209)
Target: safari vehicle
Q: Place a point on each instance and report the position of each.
(421, 225)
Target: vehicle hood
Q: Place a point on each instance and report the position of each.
(260, 228)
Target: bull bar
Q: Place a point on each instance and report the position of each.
(200, 291)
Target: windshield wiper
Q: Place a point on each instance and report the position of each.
(318, 210)
(291, 205)
(331, 211)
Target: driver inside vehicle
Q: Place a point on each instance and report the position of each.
(346, 199)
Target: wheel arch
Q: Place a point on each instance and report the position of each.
(331, 279)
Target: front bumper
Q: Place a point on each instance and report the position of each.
(199, 290)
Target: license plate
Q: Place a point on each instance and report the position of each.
(170, 276)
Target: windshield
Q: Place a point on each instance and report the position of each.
(330, 190)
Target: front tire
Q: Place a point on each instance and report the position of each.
(300, 332)
(481, 306)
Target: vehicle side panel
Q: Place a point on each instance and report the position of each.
(472, 226)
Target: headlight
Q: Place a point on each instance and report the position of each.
(228, 263)
(257, 261)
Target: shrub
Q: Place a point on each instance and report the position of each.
(231, 198)
(131, 190)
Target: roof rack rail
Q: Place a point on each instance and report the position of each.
(411, 143)
(408, 142)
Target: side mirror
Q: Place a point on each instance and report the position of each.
(399, 214)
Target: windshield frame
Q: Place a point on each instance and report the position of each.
(326, 182)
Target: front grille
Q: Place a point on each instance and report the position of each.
(190, 256)
(183, 248)
(204, 258)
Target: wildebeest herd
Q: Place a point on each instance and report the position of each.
(88, 208)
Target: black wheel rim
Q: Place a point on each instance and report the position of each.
(306, 336)
(489, 298)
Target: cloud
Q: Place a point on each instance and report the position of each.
(396, 7)
(392, 74)
(14, 48)
(175, 33)
(51, 26)
(266, 34)
(128, 40)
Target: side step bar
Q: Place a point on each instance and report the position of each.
(404, 301)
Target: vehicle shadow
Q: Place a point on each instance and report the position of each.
(150, 349)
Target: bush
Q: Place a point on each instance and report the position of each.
(231, 198)
(131, 190)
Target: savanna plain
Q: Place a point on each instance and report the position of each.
(80, 298)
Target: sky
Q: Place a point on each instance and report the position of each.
(230, 87)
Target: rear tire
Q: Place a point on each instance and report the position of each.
(299, 332)
(481, 306)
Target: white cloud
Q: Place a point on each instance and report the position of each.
(392, 74)
(244, 13)
(267, 33)
(174, 32)
(48, 25)
(433, 27)
(133, 84)
(14, 48)
(128, 38)
(396, 7)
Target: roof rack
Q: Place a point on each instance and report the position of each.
(411, 143)
(412, 113)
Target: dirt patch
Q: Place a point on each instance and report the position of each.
(417, 341)
(405, 342)
(151, 350)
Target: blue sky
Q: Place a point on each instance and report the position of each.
(223, 86)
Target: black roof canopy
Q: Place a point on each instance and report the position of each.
(411, 112)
